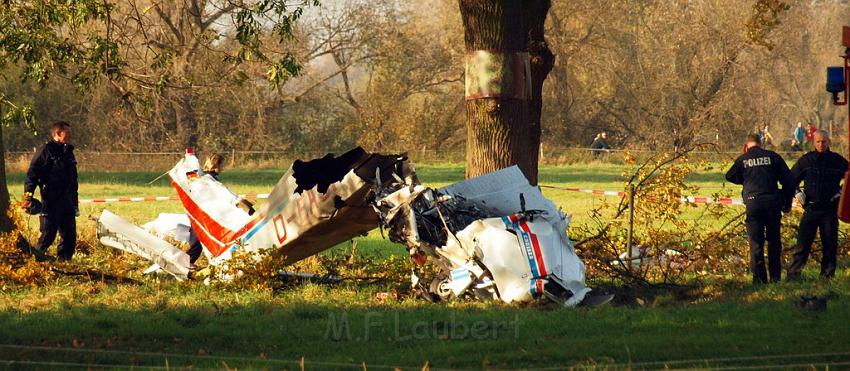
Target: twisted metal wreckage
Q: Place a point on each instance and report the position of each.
(493, 237)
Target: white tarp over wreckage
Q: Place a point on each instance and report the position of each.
(494, 236)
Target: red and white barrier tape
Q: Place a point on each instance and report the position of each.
(712, 200)
(687, 199)
(162, 198)
(591, 191)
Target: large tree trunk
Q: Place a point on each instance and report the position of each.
(6, 223)
(542, 61)
(497, 126)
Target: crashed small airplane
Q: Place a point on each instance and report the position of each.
(493, 237)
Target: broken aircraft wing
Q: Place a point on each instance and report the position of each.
(315, 205)
(114, 231)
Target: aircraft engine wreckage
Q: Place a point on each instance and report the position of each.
(492, 237)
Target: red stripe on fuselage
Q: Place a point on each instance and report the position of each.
(214, 246)
(538, 253)
(209, 228)
(232, 236)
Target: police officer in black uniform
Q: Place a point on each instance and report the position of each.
(759, 170)
(53, 170)
(822, 171)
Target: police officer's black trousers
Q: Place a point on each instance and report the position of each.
(763, 222)
(66, 224)
(825, 219)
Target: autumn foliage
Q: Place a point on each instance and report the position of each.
(671, 237)
(18, 267)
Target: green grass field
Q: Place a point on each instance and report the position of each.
(154, 322)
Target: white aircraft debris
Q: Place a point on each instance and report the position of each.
(169, 225)
(315, 205)
(116, 232)
(493, 237)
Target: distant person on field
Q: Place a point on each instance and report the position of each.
(53, 170)
(821, 171)
(808, 145)
(213, 165)
(766, 137)
(799, 133)
(600, 144)
(677, 140)
(759, 171)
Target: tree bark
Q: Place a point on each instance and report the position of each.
(542, 61)
(7, 225)
(497, 128)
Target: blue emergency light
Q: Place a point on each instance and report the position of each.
(835, 80)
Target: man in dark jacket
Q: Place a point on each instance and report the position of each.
(53, 170)
(760, 170)
(600, 144)
(822, 171)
